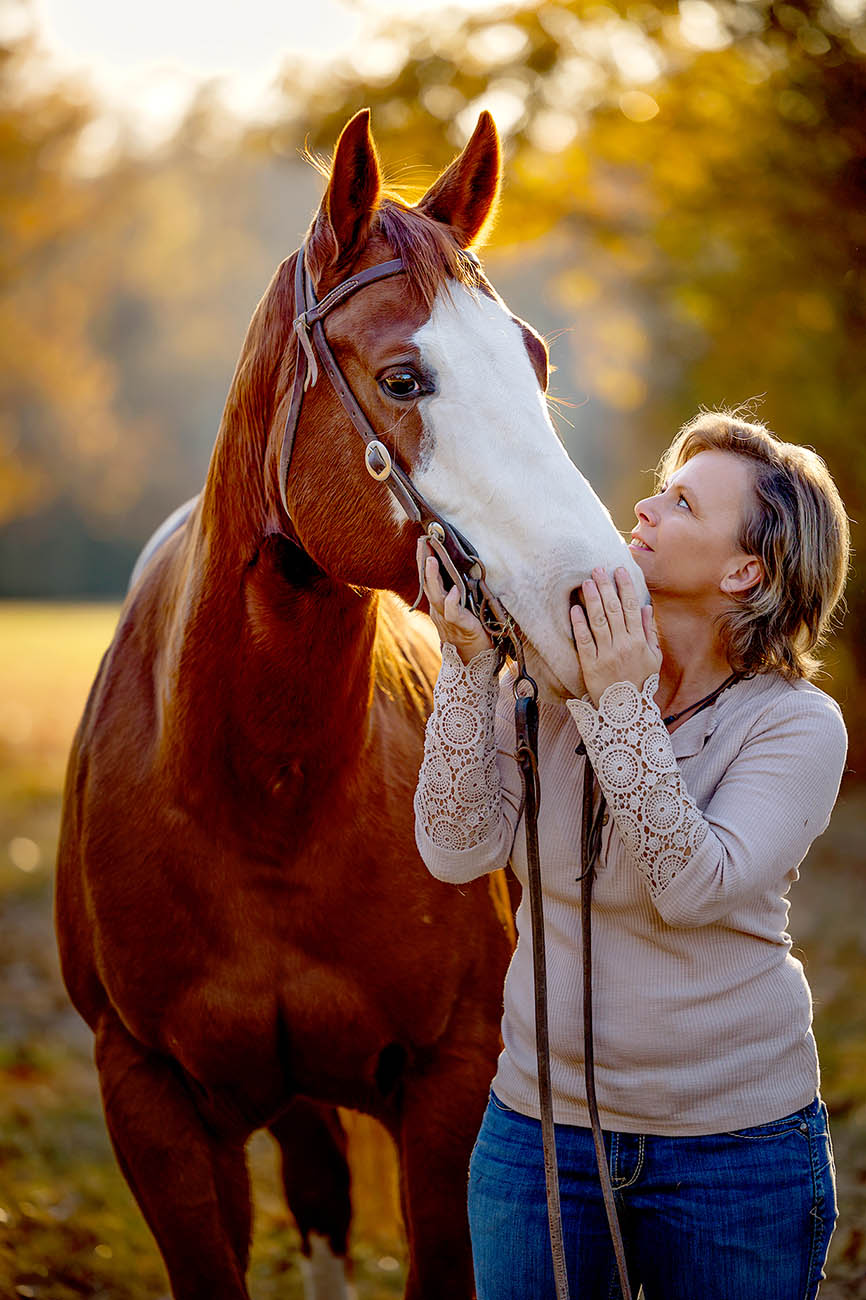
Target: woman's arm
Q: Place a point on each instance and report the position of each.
(774, 799)
(467, 803)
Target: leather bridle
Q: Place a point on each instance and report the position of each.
(457, 556)
(465, 569)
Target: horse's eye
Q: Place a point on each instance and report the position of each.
(402, 384)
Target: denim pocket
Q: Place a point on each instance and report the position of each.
(775, 1129)
(500, 1105)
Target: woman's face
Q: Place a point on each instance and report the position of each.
(686, 537)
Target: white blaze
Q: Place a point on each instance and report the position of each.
(492, 464)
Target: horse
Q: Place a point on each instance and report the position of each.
(243, 918)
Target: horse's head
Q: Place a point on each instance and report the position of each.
(453, 385)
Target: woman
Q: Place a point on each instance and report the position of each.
(720, 762)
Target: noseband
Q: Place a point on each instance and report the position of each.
(461, 562)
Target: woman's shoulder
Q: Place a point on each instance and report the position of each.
(769, 699)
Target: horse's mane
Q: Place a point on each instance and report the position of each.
(429, 251)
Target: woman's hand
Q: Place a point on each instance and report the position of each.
(452, 620)
(616, 638)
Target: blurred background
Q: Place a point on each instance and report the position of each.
(683, 217)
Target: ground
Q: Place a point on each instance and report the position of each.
(69, 1227)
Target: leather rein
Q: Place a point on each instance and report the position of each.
(462, 564)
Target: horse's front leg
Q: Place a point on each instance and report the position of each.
(440, 1117)
(192, 1188)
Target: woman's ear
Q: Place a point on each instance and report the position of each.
(742, 578)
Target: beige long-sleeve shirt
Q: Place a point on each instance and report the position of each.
(702, 1015)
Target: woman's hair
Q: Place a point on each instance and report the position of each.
(797, 528)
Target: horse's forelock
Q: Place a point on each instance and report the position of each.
(429, 251)
(430, 254)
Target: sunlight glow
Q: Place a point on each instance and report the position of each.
(24, 853)
(636, 57)
(701, 26)
(574, 81)
(492, 45)
(637, 106)
(551, 132)
(505, 99)
(379, 58)
(850, 11)
(149, 65)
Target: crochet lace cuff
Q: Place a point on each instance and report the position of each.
(457, 801)
(630, 750)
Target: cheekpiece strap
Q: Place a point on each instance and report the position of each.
(309, 314)
(456, 554)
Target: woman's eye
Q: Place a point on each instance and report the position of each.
(681, 501)
(402, 383)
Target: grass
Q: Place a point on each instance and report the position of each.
(69, 1227)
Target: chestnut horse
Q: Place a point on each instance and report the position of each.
(243, 918)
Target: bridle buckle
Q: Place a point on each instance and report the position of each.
(377, 458)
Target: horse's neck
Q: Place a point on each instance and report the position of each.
(311, 642)
(268, 662)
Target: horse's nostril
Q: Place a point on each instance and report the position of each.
(576, 598)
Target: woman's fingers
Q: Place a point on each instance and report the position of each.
(596, 615)
(583, 637)
(631, 607)
(648, 622)
(458, 614)
(447, 604)
(434, 587)
(610, 600)
(452, 620)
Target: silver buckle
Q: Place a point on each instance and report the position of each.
(377, 458)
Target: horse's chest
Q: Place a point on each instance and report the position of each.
(258, 1034)
(262, 989)
(269, 963)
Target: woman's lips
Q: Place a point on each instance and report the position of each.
(637, 545)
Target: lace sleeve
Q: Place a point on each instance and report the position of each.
(630, 750)
(457, 800)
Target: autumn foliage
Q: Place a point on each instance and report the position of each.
(684, 216)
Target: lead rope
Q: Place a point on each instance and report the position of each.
(526, 726)
(590, 837)
(526, 723)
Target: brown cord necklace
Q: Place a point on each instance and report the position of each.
(706, 701)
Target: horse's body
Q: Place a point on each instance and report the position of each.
(243, 918)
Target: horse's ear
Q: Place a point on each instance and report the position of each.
(349, 202)
(464, 195)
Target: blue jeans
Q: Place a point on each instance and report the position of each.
(731, 1216)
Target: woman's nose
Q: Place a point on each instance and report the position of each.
(643, 510)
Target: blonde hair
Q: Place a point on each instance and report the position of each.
(796, 527)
